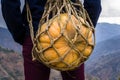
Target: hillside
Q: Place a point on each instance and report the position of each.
(11, 67)
(104, 62)
(106, 31)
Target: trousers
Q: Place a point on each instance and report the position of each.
(34, 70)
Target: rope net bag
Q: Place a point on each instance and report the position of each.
(65, 37)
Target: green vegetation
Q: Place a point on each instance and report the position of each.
(118, 78)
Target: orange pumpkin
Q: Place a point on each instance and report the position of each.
(56, 38)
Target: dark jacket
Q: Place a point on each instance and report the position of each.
(16, 20)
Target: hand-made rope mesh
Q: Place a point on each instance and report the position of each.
(52, 11)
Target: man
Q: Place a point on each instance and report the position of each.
(18, 26)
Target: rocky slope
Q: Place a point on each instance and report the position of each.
(11, 66)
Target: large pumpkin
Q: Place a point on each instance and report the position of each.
(65, 42)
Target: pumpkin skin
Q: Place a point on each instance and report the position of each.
(56, 54)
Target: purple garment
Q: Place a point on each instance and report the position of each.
(77, 74)
(33, 70)
(37, 71)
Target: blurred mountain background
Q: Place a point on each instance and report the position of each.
(103, 64)
(6, 41)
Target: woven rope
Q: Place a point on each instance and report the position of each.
(53, 9)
